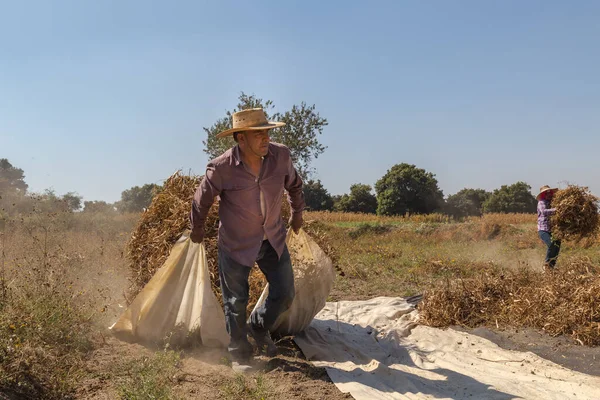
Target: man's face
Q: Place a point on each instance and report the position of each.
(257, 141)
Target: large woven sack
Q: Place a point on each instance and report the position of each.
(177, 304)
(313, 279)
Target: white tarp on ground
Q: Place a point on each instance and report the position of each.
(374, 350)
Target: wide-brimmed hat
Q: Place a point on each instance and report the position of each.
(253, 119)
(545, 189)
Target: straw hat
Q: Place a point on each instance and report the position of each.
(545, 189)
(253, 119)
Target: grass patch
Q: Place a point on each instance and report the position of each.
(245, 387)
(400, 263)
(148, 377)
(369, 229)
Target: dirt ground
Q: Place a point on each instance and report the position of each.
(204, 375)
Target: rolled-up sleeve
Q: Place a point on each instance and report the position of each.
(293, 185)
(209, 188)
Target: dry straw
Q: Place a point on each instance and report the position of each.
(565, 302)
(576, 214)
(168, 217)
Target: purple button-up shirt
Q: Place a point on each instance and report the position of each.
(242, 225)
(544, 212)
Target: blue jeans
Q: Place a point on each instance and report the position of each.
(553, 248)
(235, 289)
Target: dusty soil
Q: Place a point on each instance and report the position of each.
(288, 376)
(204, 374)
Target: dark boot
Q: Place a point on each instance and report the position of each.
(263, 340)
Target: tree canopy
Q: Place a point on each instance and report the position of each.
(515, 198)
(467, 202)
(317, 198)
(98, 206)
(137, 198)
(360, 200)
(12, 179)
(408, 189)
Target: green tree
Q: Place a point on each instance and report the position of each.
(300, 134)
(515, 198)
(408, 189)
(137, 198)
(98, 207)
(360, 200)
(466, 202)
(71, 201)
(317, 198)
(12, 179)
(336, 201)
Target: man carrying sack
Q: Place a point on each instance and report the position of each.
(249, 180)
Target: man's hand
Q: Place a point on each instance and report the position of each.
(296, 222)
(197, 235)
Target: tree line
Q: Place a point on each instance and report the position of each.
(15, 198)
(404, 189)
(400, 192)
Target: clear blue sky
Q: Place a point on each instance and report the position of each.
(99, 96)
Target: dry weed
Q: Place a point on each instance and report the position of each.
(564, 302)
(328, 216)
(45, 319)
(504, 219)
